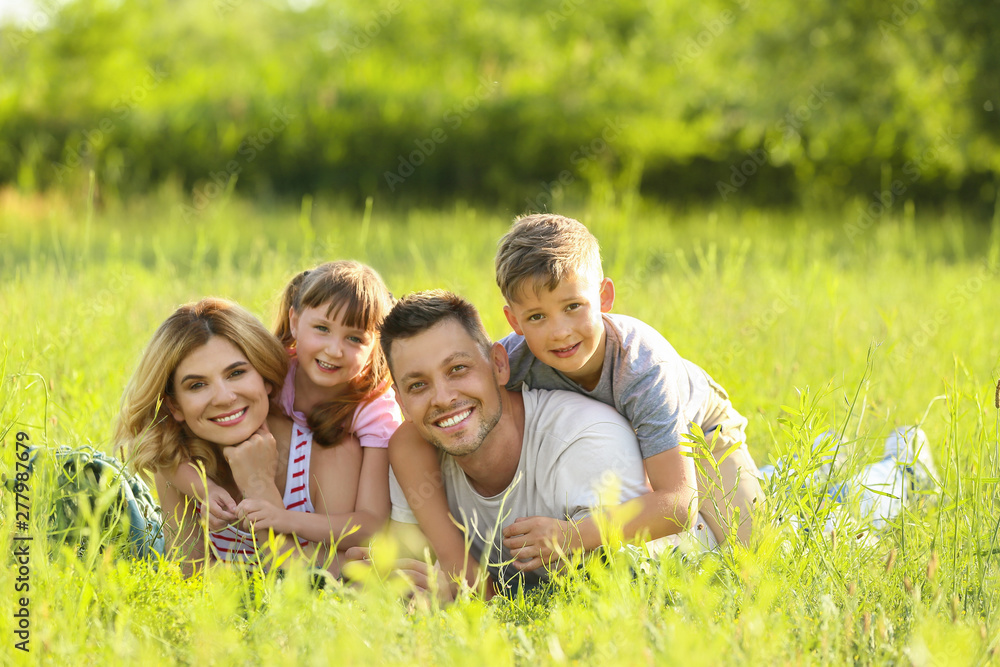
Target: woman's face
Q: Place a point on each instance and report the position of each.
(219, 394)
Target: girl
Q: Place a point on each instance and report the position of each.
(337, 386)
(201, 395)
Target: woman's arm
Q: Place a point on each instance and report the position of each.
(192, 482)
(254, 466)
(184, 536)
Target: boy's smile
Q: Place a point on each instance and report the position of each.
(567, 352)
(563, 327)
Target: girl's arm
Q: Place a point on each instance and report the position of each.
(191, 482)
(418, 471)
(254, 465)
(372, 506)
(335, 473)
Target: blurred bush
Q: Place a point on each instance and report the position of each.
(512, 103)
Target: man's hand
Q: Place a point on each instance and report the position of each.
(539, 540)
(254, 462)
(221, 507)
(261, 515)
(422, 579)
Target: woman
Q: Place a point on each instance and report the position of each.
(202, 392)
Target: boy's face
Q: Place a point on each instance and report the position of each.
(563, 327)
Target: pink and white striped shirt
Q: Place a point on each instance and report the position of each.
(237, 546)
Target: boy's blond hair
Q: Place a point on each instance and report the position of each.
(541, 250)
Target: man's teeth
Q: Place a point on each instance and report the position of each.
(326, 366)
(451, 421)
(233, 417)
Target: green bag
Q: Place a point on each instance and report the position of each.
(120, 500)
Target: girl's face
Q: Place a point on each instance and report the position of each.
(330, 353)
(219, 394)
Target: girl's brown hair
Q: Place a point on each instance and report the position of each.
(145, 428)
(357, 291)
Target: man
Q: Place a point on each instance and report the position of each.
(504, 454)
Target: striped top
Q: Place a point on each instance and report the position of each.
(237, 546)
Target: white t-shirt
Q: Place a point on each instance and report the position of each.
(573, 449)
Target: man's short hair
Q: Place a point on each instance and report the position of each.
(541, 250)
(419, 311)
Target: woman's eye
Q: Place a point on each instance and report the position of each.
(237, 372)
(195, 385)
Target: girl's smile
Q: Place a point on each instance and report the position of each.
(330, 352)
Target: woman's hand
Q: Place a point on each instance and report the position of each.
(254, 463)
(221, 507)
(262, 515)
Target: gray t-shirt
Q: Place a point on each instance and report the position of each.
(643, 377)
(573, 449)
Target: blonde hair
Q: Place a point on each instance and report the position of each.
(153, 439)
(359, 292)
(542, 250)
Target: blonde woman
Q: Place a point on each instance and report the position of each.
(203, 392)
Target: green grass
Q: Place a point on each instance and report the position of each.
(782, 309)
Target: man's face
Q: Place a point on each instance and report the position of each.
(448, 387)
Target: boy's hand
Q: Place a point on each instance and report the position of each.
(261, 515)
(539, 540)
(253, 462)
(221, 507)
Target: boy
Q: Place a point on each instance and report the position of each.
(548, 268)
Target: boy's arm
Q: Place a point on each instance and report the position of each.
(191, 482)
(668, 509)
(418, 471)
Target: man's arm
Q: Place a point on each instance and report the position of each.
(418, 471)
